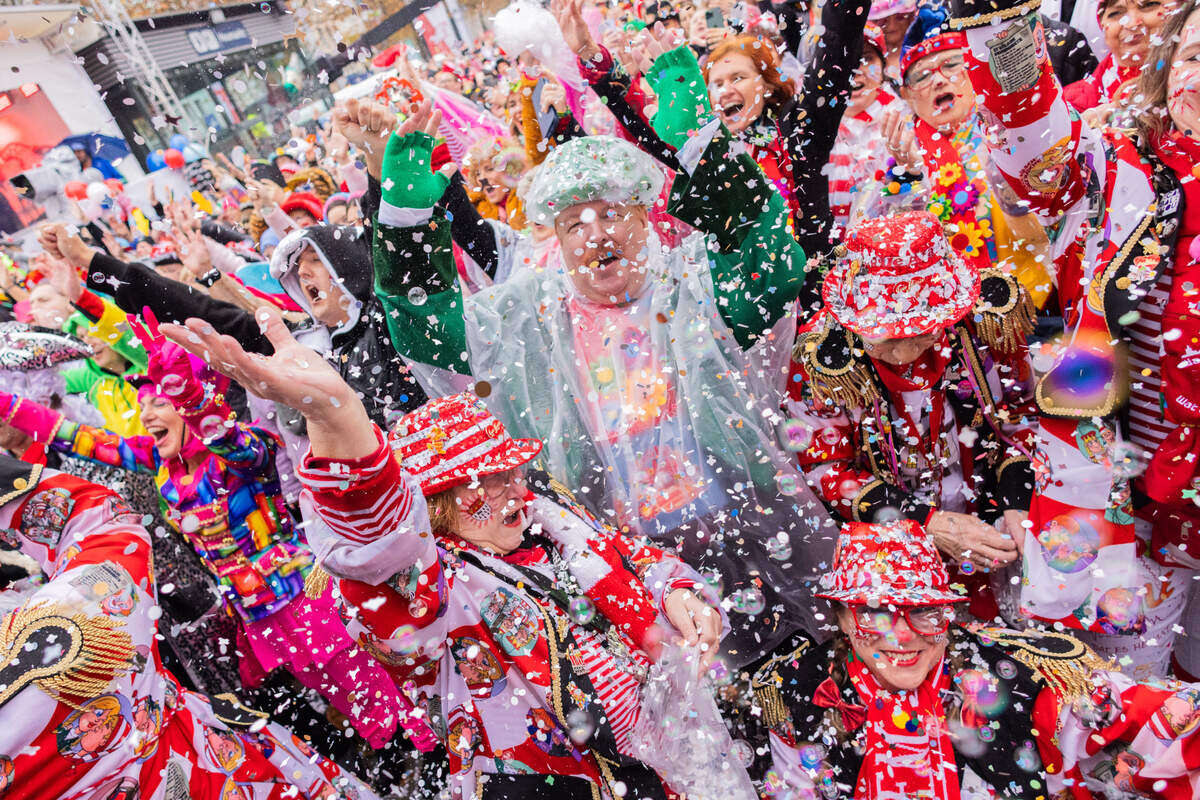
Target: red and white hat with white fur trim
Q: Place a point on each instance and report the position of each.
(453, 440)
(899, 277)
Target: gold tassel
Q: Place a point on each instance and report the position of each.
(847, 386)
(317, 582)
(95, 652)
(1005, 328)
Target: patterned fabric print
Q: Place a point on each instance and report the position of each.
(1097, 194)
(230, 510)
(192, 622)
(133, 732)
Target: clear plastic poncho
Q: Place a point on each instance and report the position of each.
(657, 422)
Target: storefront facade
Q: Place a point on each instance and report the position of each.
(236, 70)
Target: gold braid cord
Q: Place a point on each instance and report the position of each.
(765, 684)
(317, 582)
(91, 653)
(1060, 661)
(835, 374)
(1004, 314)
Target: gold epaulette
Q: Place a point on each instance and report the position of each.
(834, 364)
(1004, 314)
(1058, 660)
(71, 656)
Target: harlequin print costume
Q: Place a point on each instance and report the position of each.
(32, 361)
(231, 512)
(985, 225)
(1001, 714)
(89, 712)
(500, 652)
(1123, 228)
(943, 434)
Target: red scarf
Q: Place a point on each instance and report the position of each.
(909, 750)
(1173, 466)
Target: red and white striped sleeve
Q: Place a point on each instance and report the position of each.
(375, 510)
(1033, 137)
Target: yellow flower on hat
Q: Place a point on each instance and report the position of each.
(971, 237)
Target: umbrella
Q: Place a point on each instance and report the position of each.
(110, 148)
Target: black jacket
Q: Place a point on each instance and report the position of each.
(362, 354)
(361, 349)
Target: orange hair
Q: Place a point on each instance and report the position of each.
(766, 60)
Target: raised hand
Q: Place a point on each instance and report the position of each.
(60, 242)
(366, 125)
(169, 366)
(64, 278)
(963, 537)
(569, 14)
(652, 43)
(901, 141)
(294, 375)
(408, 181)
(193, 252)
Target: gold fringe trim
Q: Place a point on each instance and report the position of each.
(317, 582)
(849, 386)
(1005, 329)
(993, 17)
(1066, 665)
(95, 652)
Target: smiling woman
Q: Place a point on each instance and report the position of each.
(901, 697)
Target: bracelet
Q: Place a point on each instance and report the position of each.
(209, 278)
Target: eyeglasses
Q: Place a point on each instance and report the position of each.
(950, 68)
(925, 620)
(497, 483)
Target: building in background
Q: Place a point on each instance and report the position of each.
(45, 96)
(233, 74)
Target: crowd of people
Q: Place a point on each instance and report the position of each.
(647, 401)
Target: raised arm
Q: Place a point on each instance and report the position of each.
(1034, 139)
(197, 395)
(757, 267)
(49, 427)
(135, 286)
(415, 277)
(817, 114)
(376, 511)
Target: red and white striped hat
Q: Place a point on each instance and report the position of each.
(453, 440)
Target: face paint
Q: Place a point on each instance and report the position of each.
(480, 510)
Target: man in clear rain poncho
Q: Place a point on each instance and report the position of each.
(642, 369)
